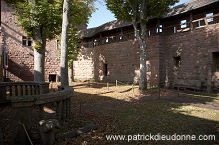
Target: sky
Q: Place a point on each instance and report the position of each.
(103, 15)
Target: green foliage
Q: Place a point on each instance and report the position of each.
(36, 15)
(73, 40)
(46, 15)
(73, 45)
(37, 45)
(126, 10)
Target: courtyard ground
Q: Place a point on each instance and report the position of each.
(123, 110)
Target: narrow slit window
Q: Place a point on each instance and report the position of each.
(177, 61)
(174, 29)
(215, 61)
(149, 32)
(107, 39)
(24, 40)
(105, 69)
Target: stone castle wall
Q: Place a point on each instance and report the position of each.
(20, 58)
(188, 54)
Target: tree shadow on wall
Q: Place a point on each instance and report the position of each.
(21, 71)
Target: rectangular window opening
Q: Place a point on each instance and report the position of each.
(215, 61)
(105, 69)
(26, 41)
(29, 43)
(183, 24)
(149, 32)
(209, 19)
(52, 78)
(174, 29)
(177, 61)
(159, 29)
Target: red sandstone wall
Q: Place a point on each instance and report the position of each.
(1, 58)
(83, 68)
(52, 60)
(195, 48)
(122, 59)
(21, 57)
(20, 60)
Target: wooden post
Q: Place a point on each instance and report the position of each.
(206, 22)
(116, 83)
(190, 21)
(107, 86)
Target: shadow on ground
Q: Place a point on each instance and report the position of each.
(120, 112)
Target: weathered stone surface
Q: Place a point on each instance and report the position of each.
(47, 136)
(76, 132)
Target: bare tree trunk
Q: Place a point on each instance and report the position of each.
(143, 68)
(39, 61)
(141, 35)
(70, 72)
(64, 43)
(39, 54)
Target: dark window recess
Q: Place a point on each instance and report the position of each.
(52, 78)
(177, 61)
(215, 61)
(26, 41)
(105, 69)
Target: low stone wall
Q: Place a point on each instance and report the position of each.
(11, 89)
(24, 105)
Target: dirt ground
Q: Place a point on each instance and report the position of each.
(87, 110)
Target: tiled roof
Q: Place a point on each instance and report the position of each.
(189, 6)
(180, 9)
(105, 27)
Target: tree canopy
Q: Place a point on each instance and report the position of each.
(32, 14)
(126, 10)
